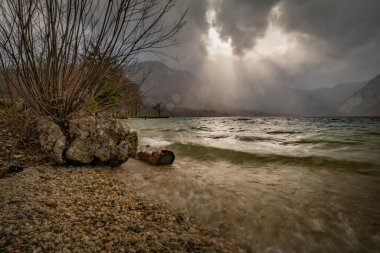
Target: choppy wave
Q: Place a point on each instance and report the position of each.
(252, 138)
(373, 133)
(242, 119)
(267, 178)
(284, 132)
(201, 128)
(155, 142)
(320, 141)
(220, 136)
(180, 130)
(247, 138)
(348, 138)
(173, 130)
(201, 152)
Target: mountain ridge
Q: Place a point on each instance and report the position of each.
(364, 102)
(166, 83)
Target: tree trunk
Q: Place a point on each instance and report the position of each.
(154, 155)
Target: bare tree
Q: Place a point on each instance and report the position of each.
(133, 99)
(45, 46)
(157, 107)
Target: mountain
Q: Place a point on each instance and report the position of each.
(365, 102)
(181, 89)
(188, 112)
(317, 102)
(167, 86)
(326, 101)
(339, 93)
(179, 93)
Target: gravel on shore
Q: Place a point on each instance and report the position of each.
(85, 209)
(88, 210)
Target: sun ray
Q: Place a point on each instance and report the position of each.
(215, 45)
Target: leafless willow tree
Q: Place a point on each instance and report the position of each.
(133, 100)
(45, 46)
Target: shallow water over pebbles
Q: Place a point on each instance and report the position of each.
(277, 184)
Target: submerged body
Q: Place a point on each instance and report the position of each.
(277, 184)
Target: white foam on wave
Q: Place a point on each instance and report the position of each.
(155, 142)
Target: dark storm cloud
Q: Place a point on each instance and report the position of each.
(242, 22)
(342, 25)
(336, 40)
(332, 25)
(191, 47)
(197, 24)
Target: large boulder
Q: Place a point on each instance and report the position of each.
(89, 140)
(52, 140)
(81, 151)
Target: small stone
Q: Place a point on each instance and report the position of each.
(179, 219)
(18, 156)
(135, 228)
(8, 230)
(65, 250)
(51, 203)
(57, 230)
(15, 169)
(108, 246)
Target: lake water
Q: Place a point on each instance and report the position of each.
(276, 184)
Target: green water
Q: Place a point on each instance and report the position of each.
(276, 184)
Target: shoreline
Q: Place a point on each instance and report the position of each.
(88, 209)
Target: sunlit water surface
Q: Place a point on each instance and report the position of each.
(276, 184)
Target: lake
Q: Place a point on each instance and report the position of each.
(277, 184)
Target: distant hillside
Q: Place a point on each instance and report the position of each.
(365, 102)
(318, 102)
(176, 88)
(167, 85)
(326, 101)
(188, 112)
(178, 93)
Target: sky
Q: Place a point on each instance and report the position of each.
(263, 43)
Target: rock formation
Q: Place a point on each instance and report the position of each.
(89, 140)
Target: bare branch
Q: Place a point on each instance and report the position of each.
(47, 47)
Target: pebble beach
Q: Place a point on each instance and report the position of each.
(87, 209)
